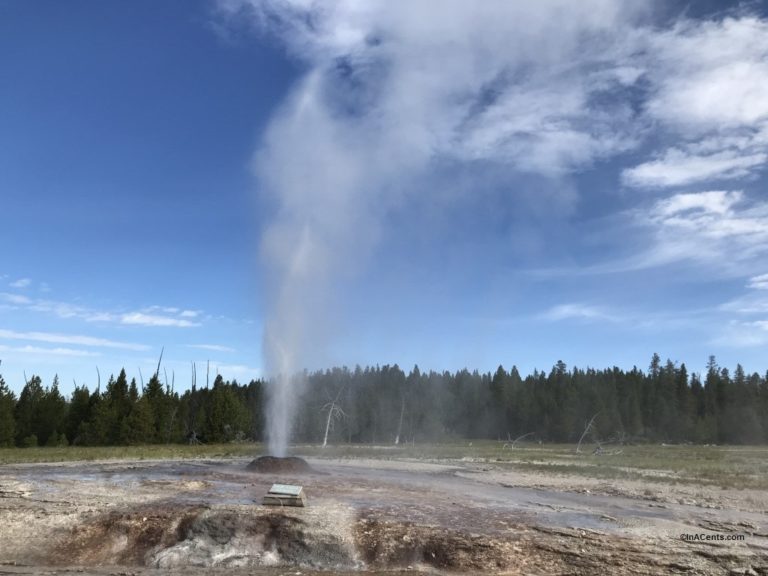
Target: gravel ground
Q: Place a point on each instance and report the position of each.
(375, 516)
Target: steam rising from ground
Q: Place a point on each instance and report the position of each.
(390, 88)
(396, 90)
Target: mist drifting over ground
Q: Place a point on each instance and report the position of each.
(394, 90)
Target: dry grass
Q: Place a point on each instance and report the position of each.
(726, 466)
(149, 452)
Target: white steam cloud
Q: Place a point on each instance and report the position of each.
(390, 87)
(397, 89)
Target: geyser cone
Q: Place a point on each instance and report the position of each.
(279, 465)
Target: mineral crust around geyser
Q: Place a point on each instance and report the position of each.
(279, 465)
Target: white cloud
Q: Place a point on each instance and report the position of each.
(759, 282)
(239, 371)
(576, 311)
(16, 299)
(749, 316)
(211, 347)
(708, 95)
(752, 303)
(71, 339)
(738, 334)
(503, 81)
(678, 168)
(717, 202)
(37, 351)
(160, 316)
(21, 283)
(144, 319)
(723, 229)
(710, 75)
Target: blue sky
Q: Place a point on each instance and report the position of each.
(271, 185)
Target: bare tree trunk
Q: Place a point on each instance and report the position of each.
(400, 424)
(589, 425)
(328, 424)
(159, 360)
(334, 411)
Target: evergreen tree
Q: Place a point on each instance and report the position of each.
(78, 415)
(52, 415)
(139, 426)
(7, 420)
(228, 418)
(28, 412)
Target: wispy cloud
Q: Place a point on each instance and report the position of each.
(753, 303)
(738, 334)
(145, 319)
(577, 311)
(679, 168)
(15, 299)
(152, 316)
(708, 96)
(748, 325)
(496, 81)
(759, 282)
(38, 351)
(211, 347)
(71, 339)
(722, 228)
(240, 371)
(21, 283)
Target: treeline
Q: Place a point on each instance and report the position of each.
(123, 414)
(384, 404)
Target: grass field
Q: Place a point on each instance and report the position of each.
(727, 466)
(148, 452)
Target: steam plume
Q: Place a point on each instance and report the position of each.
(392, 88)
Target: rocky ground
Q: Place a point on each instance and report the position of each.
(379, 516)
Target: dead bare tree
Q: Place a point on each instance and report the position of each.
(586, 430)
(334, 413)
(600, 451)
(157, 371)
(512, 443)
(400, 424)
(169, 391)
